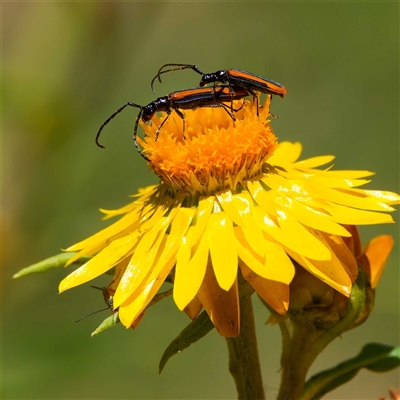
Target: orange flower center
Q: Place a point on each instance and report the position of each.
(214, 152)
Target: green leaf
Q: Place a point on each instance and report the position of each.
(50, 263)
(109, 322)
(196, 330)
(375, 357)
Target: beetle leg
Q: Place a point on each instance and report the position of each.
(135, 136)
(226, 108)
(255, 98)
(161, 125)
(182, 115)
(238, 109)
(232, 93)
(270, 113)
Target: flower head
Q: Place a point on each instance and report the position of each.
(229, 196)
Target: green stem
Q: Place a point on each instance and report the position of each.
(244, 362)
(298, 354)
(306, 333)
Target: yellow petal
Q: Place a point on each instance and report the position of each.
(192, 310)
(243, 203)
(286, 153)
(189, 273)
(275, 294)
(180, 224)
(338, 182)
(353, 216)
(130, 220)
(123, 210)
(221, 306)
(385, 196)
(160, 210)
(345, 174)
(143, 195)
(247, 255)
(372, 199)
(307, 215)
(353, 243)
(182, 293)
(331, 272)
(326, 177)
(179, 227)
(138, 301)
(259, 194)
(88, 251)
(141, 262)
(119, 272)
(239, 208)
(136, 322)
(310, 245)
(140, 212)
(343, 253)
(132, 308)
(226, 200)
(377, 253)
(313, 162)
(221, 239)
(276, 265)
(256, 239)
(289, 238)
(204, 209)
(300, 188)
(380, 195)
(101, 263)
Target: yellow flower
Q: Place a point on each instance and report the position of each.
(229, 196)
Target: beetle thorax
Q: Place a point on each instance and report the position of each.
(148, 111)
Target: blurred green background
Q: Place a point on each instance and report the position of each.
(66, 68)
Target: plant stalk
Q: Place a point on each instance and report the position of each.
(244, 362)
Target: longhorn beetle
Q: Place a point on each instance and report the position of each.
(188, 99)
(232, 77)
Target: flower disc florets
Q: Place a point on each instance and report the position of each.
(214, 152)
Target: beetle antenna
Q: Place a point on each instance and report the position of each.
(94, 312)
(107, 300)
(179, 68)
(111, 117)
